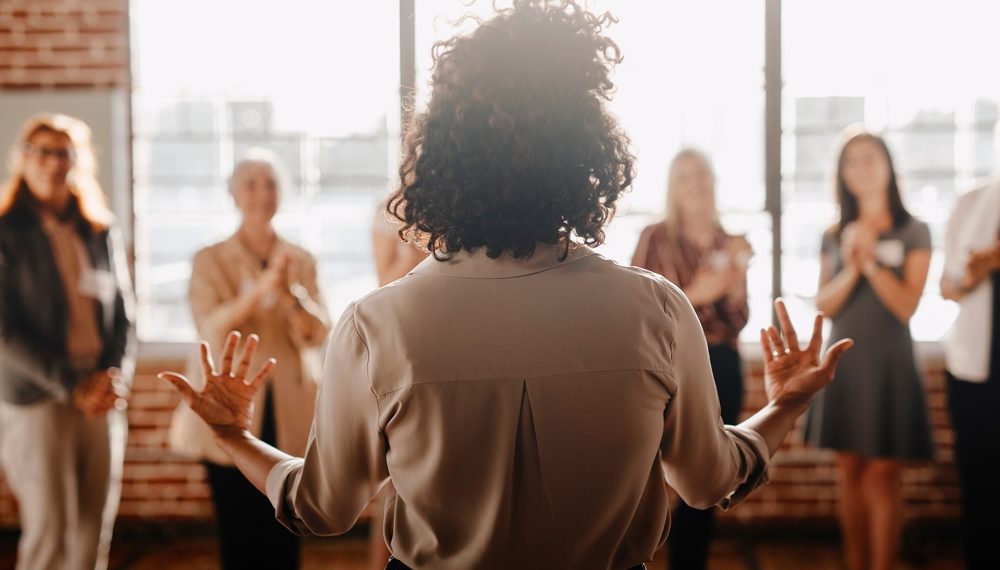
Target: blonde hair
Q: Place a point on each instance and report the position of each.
(673, 217)
(82, 177)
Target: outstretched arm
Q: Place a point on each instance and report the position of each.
(226, 405)
(792, 376)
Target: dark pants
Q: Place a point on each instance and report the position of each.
(974, 409)
(691, 529)
(249, 535)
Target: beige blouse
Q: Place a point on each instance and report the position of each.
(219, 274)
(528, 413)
(83, 336)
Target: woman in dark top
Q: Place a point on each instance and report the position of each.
(690, 248)
(874, 266)
(65, 348)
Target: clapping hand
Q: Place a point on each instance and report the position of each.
(709, 285)
(99, 392)
(857, 245)
(226, 401)
(792, 375)
(981, 263)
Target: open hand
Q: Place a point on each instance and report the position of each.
(793, 376)
(226, 401)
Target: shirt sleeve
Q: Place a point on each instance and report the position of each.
(737, 309)
(344, 466)
(120, 352)
(203, 296)
(954, 257)
(918, 237)
(311, 283)
(706, 462)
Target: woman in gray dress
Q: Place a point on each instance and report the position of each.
(874, 266)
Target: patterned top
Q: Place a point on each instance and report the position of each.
(679, 262)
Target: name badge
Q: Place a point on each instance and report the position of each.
(890, 253)
(98, 284)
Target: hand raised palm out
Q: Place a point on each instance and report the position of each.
(226, 400)
(793, 375)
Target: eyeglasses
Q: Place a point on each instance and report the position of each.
(43, 153)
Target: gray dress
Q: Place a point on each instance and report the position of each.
(875, 406)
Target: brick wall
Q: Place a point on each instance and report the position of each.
(162, 486)
(803, 479)
(63, 44)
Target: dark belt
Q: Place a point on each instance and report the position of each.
(395, 564)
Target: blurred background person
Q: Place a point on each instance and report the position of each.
(691, 249)
(256, 281)
(972, 354)
(874, 265)
(66, 347)
(394, 257)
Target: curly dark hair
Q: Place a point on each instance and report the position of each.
(516, 146)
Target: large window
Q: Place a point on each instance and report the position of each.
(688, 78)
(319, 84)
(900, 68)
(315, 82)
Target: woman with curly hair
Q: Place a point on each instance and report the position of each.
(527, 398)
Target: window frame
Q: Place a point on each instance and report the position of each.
(163, 350)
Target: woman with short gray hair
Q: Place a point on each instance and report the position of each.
(256, 281)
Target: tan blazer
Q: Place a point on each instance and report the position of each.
(218, 275)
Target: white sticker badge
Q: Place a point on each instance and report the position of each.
(890, 253)
(98, 284)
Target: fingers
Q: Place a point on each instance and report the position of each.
(776, 345)
(263, 373)
(765, 350)
(816, 342)
(229, 352)
(791, 339)
(207, 365)
(833, 355)
(248, 351)
(181, 383)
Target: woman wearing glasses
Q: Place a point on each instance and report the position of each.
(65, 347)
